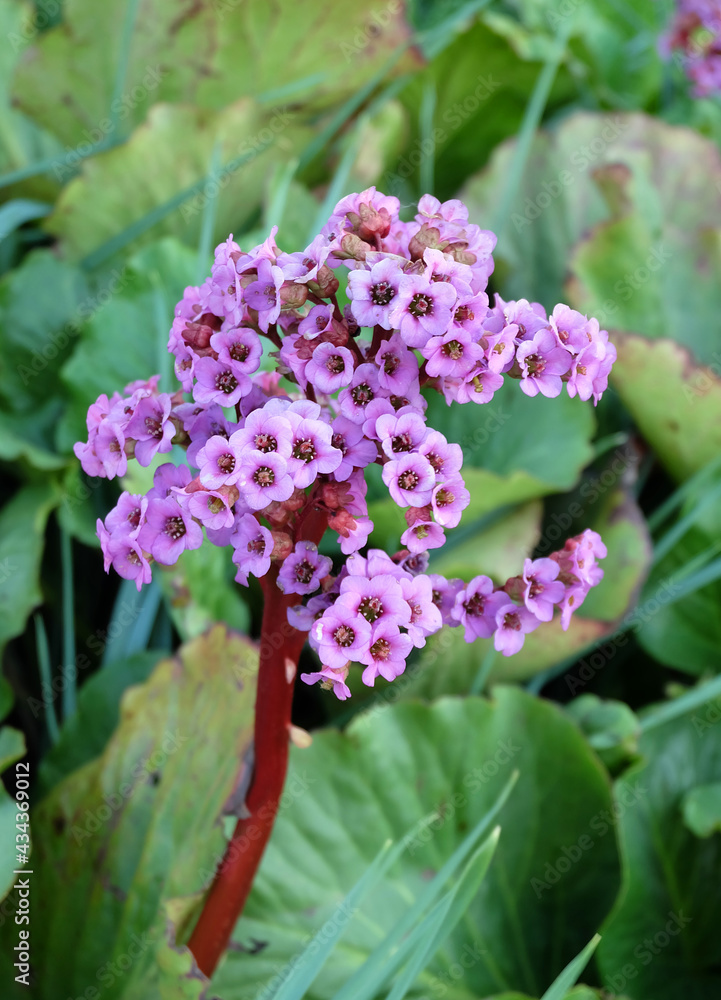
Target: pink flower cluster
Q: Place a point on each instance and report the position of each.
(695, 34)
(293, 397)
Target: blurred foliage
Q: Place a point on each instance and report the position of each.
(136, 134)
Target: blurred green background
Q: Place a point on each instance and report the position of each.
(136, 134)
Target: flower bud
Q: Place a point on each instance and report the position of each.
(282, 545)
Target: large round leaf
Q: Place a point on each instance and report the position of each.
(349, 791)
(662, 939)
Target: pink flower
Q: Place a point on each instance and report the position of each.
(252, 548)
(513, 624)
(168, 531)
(423, 309)
(373, 293)
(341, 635)
(410, 480)
(303, 570)
(387, 653)
(330, 368)
(264, 478)
(542, 363)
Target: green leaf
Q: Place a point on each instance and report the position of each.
(684, 633)
(12, 748)
(557, 990)
(22, 535)
(701, 808)
(660, 941)
(205, 55)
(675, 401)
(85, 734)
(498, 550)
(349, 791)
(610, 727)
(141, 825)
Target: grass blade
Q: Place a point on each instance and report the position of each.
(684, 703)
(132, 620)
(337, 186)
(208, 222)
(481, 678)
(679, 529)
(19, 211)
(566, 979)
(669, 505)
(278, 194)
(69, 662)
(443, 919)
(427, 112)
(121, 72)
(43, 651)
(373, 970)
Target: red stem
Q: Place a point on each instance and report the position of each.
(280, 648)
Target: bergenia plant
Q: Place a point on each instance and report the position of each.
(285, 399)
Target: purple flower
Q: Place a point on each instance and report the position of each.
(252, 548)
(168, 531)
(210, 507)
(423, 309)
(373, 293)
(356, 537)
(302, 616)
(330, 368)
(219, 382)
(331, 678)
(302, 266)
(423, 535)
(513, 624)
(542, 362)
(311, 451)
(475, 608)
(264, 478)
(127, 517)
(585, 367)
(399, 434)
(410, 480)
(444, 596)
(303, 570)
(341, 635)
(479, 386)
(445, 458)
(425, 616)
(318, 320)
(239, 348)
(167, 476)
(387, 653)
(151, 427)
(541, 588)
(263, 295)
(448, 500)
(109, 448)
(362, 390)
(501, 348)
(354, 446)
(453, 354)
(376, 598)
(263, 431)
(397, 365)
(219, 462)
(125, 555)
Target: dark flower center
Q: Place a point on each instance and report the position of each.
(338, 441)
(239, 352)
(381, 649)
(265, 443)
(361, 394)
(408, 480)
(226, 463)
(420, 305)
(304, 572)
(390, 363)
(257, 545)
(226, 382)
(382, 293)
(475, 605)
(304, 450)
(535, 589)
(453, 350)
(133, 517)
(464, 314)
(435, 462)
(444, 497)
(511, 620)
(402, 442)
(132, 557)
(174, 528)
(536, 364)
(154, 427)
(264, 476)
(371, 608)
(335, 364)
(215, 505)
(344, 636)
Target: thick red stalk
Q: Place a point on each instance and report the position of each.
(280, 648)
